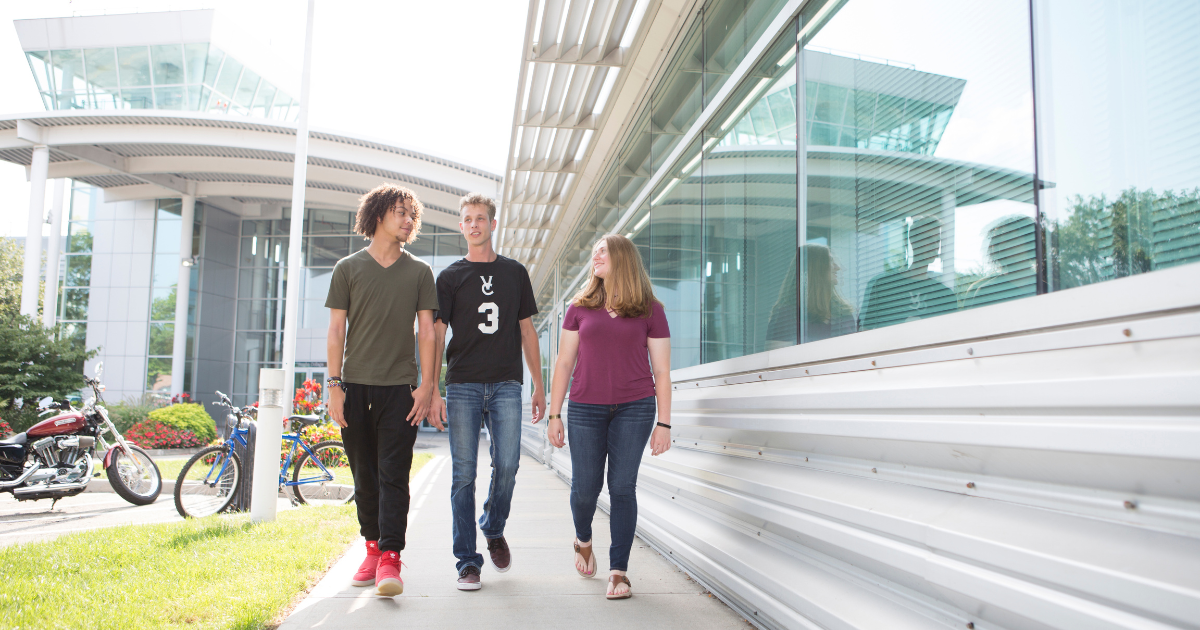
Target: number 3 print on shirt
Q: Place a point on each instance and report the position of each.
(493, 318)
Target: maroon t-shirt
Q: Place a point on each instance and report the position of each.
(613, 365)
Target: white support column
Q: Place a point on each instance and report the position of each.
(299, 181)
(50, 298)
(38, 169)
(183, 287)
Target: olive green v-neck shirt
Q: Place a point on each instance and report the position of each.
(381, 307)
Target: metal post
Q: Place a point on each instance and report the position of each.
(183, 288)
(266, 445)
(299, 180)
(50, 297)
(39, 168)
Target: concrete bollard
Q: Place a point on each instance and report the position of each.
(266, 445)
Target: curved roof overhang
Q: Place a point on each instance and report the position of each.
(242, 165)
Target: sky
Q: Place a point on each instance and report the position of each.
(435, 77)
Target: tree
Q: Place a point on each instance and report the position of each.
(35, 362)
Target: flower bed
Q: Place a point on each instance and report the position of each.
(153, 434)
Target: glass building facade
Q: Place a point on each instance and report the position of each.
(190, 77)
(953, 156)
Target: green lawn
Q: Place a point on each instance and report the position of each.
(215, 572)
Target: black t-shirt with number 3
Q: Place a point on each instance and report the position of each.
(483, 304)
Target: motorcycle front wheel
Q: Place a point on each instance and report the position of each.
(208, 482)
(137, 488)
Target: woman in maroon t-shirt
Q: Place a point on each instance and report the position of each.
(613, 324)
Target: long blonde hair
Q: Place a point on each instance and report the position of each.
(627, 290)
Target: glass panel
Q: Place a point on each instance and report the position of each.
(731, 27)
(101, 64)
(195, 57)
(264, 251)
(676, 102)
(316, 284)
(260, 315)
(78, 271)
(422, 247)
(137, 98)
(325, 251)
(134, 63)
(1118, 120)
(167, 63)
(162, 305)
(636, 160)
(675, 263)
(79, 237)
(750, 212)
(919, 173)
(245, 381)
(246, 88)
(257, 346)
(74, 304)
(215, 57)
(170, 98)
(162, 339)
(327, 222)
(231, 71)
(166, 270)
(77, 333)
(158, 375)
(39, 62)
(263, 282)
(262, 102)
(313, 314)
(69, 80)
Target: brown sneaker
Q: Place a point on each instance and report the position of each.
(468, 580)
(501, 557)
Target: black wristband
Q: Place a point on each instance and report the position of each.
(665, 426)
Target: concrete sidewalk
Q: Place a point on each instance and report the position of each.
(541, 590)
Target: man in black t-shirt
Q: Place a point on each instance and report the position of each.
(487, 301)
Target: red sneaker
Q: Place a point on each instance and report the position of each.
(387, 579)
(366, 571)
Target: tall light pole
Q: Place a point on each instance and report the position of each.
(295, 243)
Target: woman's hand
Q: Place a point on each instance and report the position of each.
(555, 433)
(660, 441)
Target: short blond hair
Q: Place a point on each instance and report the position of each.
(479, 199)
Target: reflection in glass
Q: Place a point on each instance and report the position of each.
(134, 64)
(39, 62)
(263, 282)
(74, 304)
(70, 82)
(260, 315)
(901, 189)
(78, 271)
(158, 374)
(675, 255)
(1118, 110)
(257, 346)
(162, 339)
(167, 62)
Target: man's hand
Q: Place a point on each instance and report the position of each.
(539, 404)
(420, 408)
(555, 434)
(437, 412)
(337, 404)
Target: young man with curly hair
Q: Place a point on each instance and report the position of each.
(375, 295)
(487, 301)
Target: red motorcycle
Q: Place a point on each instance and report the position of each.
(57, 457)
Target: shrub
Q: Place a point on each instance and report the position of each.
(187, 417)
(132, 410)
(152, 434)
(312, 436)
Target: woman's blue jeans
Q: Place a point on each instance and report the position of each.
(618, 434)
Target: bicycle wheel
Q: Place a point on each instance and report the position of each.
(313, 486)
(208, 482)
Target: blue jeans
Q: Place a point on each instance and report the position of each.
(468, 406)
(618, 433)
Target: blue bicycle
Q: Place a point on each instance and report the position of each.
(209, 481)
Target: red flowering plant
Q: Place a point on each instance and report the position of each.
(308, 397)
(181, 398)
(152, 434)
(5, 430)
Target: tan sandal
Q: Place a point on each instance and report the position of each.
(613, 581)
(588, 561)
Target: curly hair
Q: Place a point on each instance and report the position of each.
(382, 199)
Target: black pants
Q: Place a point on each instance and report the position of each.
(379, 443)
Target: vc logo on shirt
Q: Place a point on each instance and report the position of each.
(487, 284)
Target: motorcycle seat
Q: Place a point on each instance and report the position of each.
(305, 421)
(19, 438)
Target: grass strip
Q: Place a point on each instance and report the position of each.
(169, 468)
(217, 572)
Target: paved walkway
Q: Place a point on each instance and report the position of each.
(541, 590)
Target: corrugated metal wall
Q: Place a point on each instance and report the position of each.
(1046, 479)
